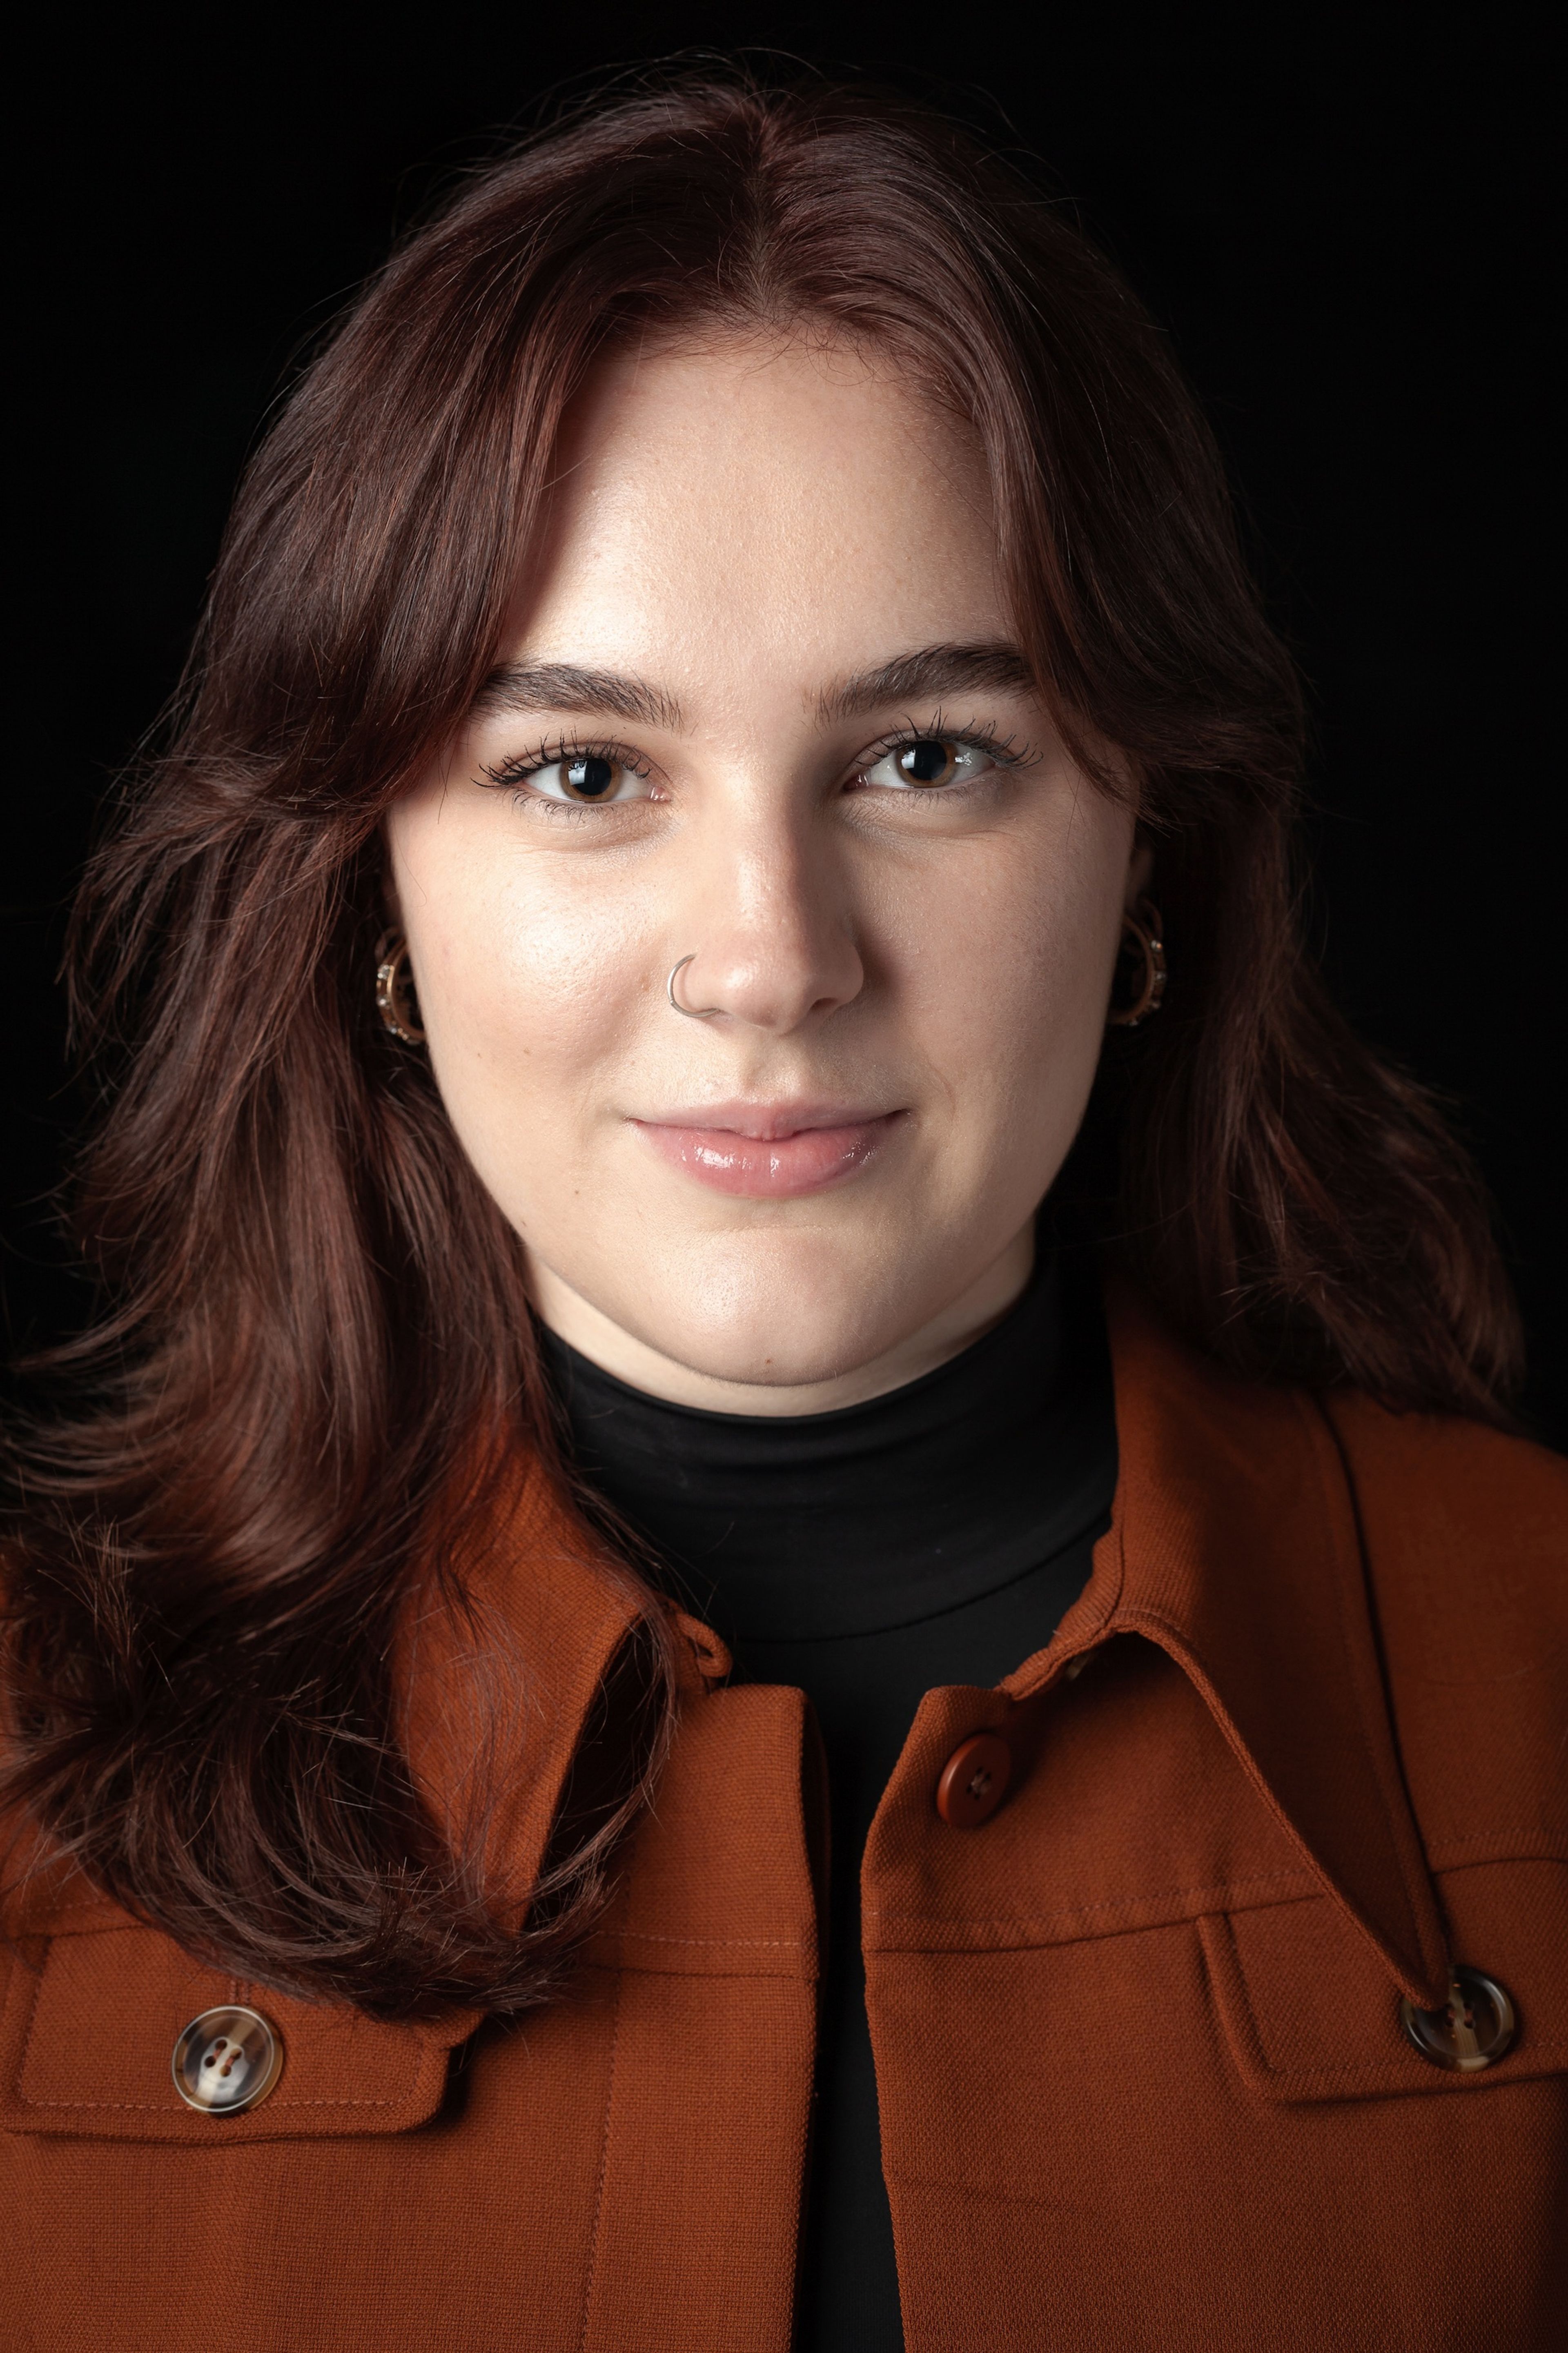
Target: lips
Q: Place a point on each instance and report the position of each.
(769, 1152)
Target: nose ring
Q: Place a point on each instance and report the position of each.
(691, 1012)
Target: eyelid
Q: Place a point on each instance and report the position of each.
(515, 773)
(1005, 751)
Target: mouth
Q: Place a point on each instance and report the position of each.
(772, 1152)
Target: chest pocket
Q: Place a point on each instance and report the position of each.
(89, 2035)
(1308, 2013)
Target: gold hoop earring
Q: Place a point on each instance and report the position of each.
(394, 999)
(1141, 934)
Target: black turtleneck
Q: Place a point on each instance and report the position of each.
(932, 1536)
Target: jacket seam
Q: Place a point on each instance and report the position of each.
(1548, 1849)
(763, 1943)
(596, 2239)
(1316, 1412)
(29, 2025)
(1311, 1891)
(150, 2107)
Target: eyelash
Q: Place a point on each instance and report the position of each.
(1005, 750)
(512, 774)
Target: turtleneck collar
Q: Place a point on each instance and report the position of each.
(875, 1516)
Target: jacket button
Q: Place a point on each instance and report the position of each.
(1474, 2028)
(228, 2060)
(974, 1780)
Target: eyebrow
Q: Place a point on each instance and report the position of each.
(563, 686)
(931, 671)
(928, 672)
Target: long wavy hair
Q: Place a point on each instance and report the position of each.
(313, 1310)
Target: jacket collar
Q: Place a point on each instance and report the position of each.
(1235, 1546)
(501, 1664)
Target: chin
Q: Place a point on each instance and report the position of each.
(796, 1319)
(789, 1349)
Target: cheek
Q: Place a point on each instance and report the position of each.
(1013, 991)
(526, 988)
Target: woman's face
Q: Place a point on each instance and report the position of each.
(759, 711)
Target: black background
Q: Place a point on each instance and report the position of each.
(1336, 214)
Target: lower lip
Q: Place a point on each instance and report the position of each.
(769, 1167)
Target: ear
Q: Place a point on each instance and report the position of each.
(1140, 869)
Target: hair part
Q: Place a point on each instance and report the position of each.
(314, 1310)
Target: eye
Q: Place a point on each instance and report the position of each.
(928, 762)
(591, 777)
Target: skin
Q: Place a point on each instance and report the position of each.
(922, 969)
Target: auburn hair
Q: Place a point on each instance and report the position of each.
(313, 1310)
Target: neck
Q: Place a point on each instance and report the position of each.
(876, 1514)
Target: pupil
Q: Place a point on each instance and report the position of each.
(592, 777)
(926, 762)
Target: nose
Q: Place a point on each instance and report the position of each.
(769, 927)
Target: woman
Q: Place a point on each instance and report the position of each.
(786, 1598)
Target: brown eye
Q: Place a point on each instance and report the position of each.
(929, 760)
(926, 762)
(588, 778)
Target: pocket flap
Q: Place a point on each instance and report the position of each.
(1308, 2013)
(87, 2036)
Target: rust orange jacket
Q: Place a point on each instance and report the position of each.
(1142, 2076)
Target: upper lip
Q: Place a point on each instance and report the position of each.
(763, 1123)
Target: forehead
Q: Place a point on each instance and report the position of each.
(798, 507)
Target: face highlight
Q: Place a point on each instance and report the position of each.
(762, 924)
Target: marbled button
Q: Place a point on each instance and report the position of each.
(974, 1780)
(228, 2060)
(1474, 2028)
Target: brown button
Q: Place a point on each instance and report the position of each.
(228, 2060)
(1474, 2028)
(974, 1780)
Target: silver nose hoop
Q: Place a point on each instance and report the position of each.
(691, 1012)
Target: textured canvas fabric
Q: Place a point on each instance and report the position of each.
(1142, 2078)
